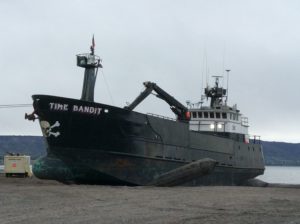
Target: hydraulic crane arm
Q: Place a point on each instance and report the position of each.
(139, 99)
(179, 109)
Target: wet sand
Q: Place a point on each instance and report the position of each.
(36, 201)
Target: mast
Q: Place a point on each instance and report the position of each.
(227, 70)
(91, 63)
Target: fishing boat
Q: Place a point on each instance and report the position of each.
(90, 142)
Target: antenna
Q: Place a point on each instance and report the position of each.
(223, 66)
(206, 68)
(217, 79)
(188, 103)
(202, 100)
(227, 70)
(203, 67)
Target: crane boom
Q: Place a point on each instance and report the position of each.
(179, 109)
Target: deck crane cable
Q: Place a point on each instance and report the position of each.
(107, 87)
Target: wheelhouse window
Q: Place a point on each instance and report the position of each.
(224, 115)
(194, 114)
(218, 115)
(233, 116)
(205, 114)
(200, 114)
(211, 114)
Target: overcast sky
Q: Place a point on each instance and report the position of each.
(164, 41)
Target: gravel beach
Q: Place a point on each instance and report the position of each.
(38, 201)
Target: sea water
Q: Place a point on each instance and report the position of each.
(273, 174)
(281, 174)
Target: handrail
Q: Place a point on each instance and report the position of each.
(160, 116)
(255, 139)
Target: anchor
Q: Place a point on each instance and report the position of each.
(31, 117)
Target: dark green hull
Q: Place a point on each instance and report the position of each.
(96, 143)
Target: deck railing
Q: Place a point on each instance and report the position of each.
(160, 116)
(255, 139)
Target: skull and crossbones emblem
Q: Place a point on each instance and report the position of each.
(47, 128)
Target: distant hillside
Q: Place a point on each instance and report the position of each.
(281, 153)
(275, 153)
(29, 145)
